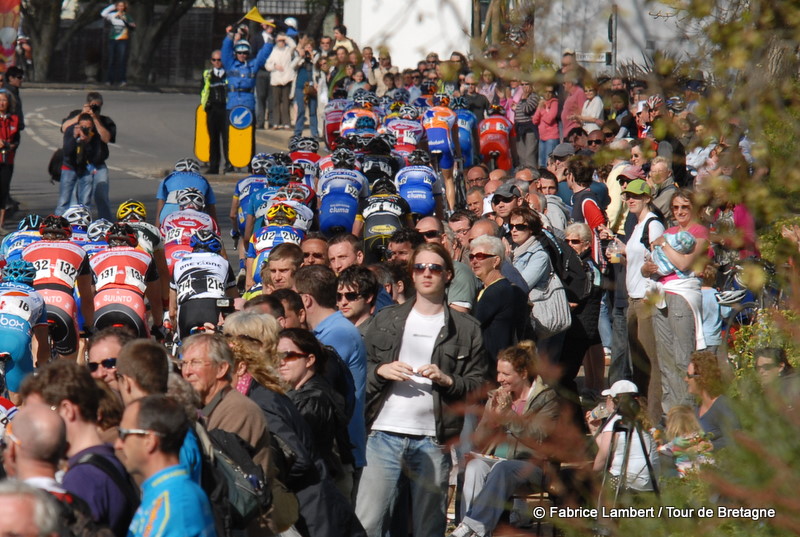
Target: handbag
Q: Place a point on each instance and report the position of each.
(550, 313)
(309, 91)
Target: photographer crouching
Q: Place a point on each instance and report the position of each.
(83, 153)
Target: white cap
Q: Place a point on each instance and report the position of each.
(290, 22)
(621, 386)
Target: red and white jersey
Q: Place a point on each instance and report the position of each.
(178, 227)
(58, 263)
(407, 133)
(123, 267)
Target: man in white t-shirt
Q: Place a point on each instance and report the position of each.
(422, 360)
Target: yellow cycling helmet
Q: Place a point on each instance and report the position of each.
(281, 213)
(131, 210)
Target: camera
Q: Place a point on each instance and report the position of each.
(225, 306)
(86, 130)
(95, 108)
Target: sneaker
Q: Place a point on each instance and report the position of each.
(463, 531)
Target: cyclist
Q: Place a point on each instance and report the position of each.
(379, 216)
(187, 165)
(177, 228)
(408, 131)
(419, 185)
(79, 218)
(441, 127)
(96, 233)
(467, 130)
(200, 278)
(259, 166)
(340, 190)
(173, 183)
(363, 105)
(377, 162)
(256, 209)
(425, 100)
(60, 266)
(279, 228)
(122, 276)
(332, 114)
(494, 134)
(27, 233)
(296, 195)
(23, 317)
(304, 151)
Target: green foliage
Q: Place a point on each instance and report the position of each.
(772, 329)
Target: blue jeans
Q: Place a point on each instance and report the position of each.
(620, 368)
(545, 148)
(604, 323)
(117, 60)
(301, 114)
(101, 199)
(74, 189)
(427, 466)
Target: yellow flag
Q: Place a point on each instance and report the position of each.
(255, 16)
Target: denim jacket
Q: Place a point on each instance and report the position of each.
(533, 262)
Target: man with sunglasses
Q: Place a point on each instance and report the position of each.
(424, 359)
(213, 98)
(477, 103)
(357, 287)
(104, 348)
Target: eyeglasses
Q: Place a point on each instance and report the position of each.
(315, 255)
(435, 268)
(125, 433)
(692, 376)
(461, 232)
(430, 234)
(477, 179)
(291, 356)
(195, 364)
(216, 59)
(350, 297)
(480, 256)
(108, 363)
(518, 227)
(594, 142)
(681, 207)
(573, 241)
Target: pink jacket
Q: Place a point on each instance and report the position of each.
(547, 120)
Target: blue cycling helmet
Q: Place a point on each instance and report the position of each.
(32, 222)
(97, 230)
(278, 175)
(206, 240)
(366, 123)
(19, 271)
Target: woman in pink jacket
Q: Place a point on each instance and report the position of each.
(546, 118)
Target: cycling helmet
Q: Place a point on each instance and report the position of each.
(731, 298)
(362, 101)
(366, 123)
(386, 101)
(419, 157)
(122, 233)
(458, 103)
(260, 164)
(441, 99)
(307, 144)
(401, 95)
(190, 198)
(389, 139)
(676, 104)
(296, 171)
(654, 102)
(281, 213)
(496, 110)
(19, 271)
(291, 193)
(361, 140)
(384, 186)
(278, 175)
(207, 240)
(293, 142)
(97, 230)
(187, 165)
(282, 158)
(78, 215)
(30, 223)
(131, 210)
(242, 46)
(343, 158)
(409, 112)
(57, 225)
(517, 36)
(428, 87)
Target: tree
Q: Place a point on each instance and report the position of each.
(152, 26)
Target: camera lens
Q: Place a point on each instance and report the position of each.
(94, 108)
(86, 130)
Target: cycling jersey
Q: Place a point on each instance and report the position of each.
(466, 132)
(495, 134)
(351, 117)
(423, 102)
(408, 134)
(177, 230)
(438, 122)
(94, 247)
(419, 185)
(121, 275)
(58, 265)
(149, 236)
(21, 309)
(304, 218)
(382, 215)
(200, 278)
(308, 161)
(379, 166)
(13, 244)
(242, 192)
(267, 238)
(177, 181)
(259, 202)
(333, 113)
(357, 179)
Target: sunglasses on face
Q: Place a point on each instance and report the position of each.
(315, 255)
(435, 268)
(574, 241)
(681, 207)
(518, 227)
(216, 59)
(291, 356)
(480, 256)
(431, 234)
(501, 199)
(350, 297)
(108, 363)
(595, 142)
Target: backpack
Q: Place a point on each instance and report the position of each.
(235, 485)
(75, 517)
(340, 378)
(568, 267)
(658, 217)
(122, 481)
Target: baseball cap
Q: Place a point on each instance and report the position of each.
(507, 190)
(563, 150)
(637, 187)
(619, 387)
(632, 172)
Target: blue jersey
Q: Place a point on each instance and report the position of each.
(172, 506)
(466, 131)
(244, 188)
(13, 244)
(338, 206)
(418, 185)
(259, 202)
(267, 238)
(177, 181)
(241, 76)
(21, 308)
(354, 177)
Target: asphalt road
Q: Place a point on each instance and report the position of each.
(154, 130)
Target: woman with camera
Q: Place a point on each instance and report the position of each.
(9, 141)
(305, 86)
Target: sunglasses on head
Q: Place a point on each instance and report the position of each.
(108, 363)
(435, 268)
(480, 256)
(350, 297)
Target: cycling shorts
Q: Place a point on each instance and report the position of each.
(61, 316)
(495, 143)
(120, 307)
(439, 140)
(337, 212)
(375, 248)
(419, 197)
(16, 341)
(196, 312)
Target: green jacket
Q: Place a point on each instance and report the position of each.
(458, 352)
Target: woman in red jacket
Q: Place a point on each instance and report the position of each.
(546, 118)
(9, 140)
